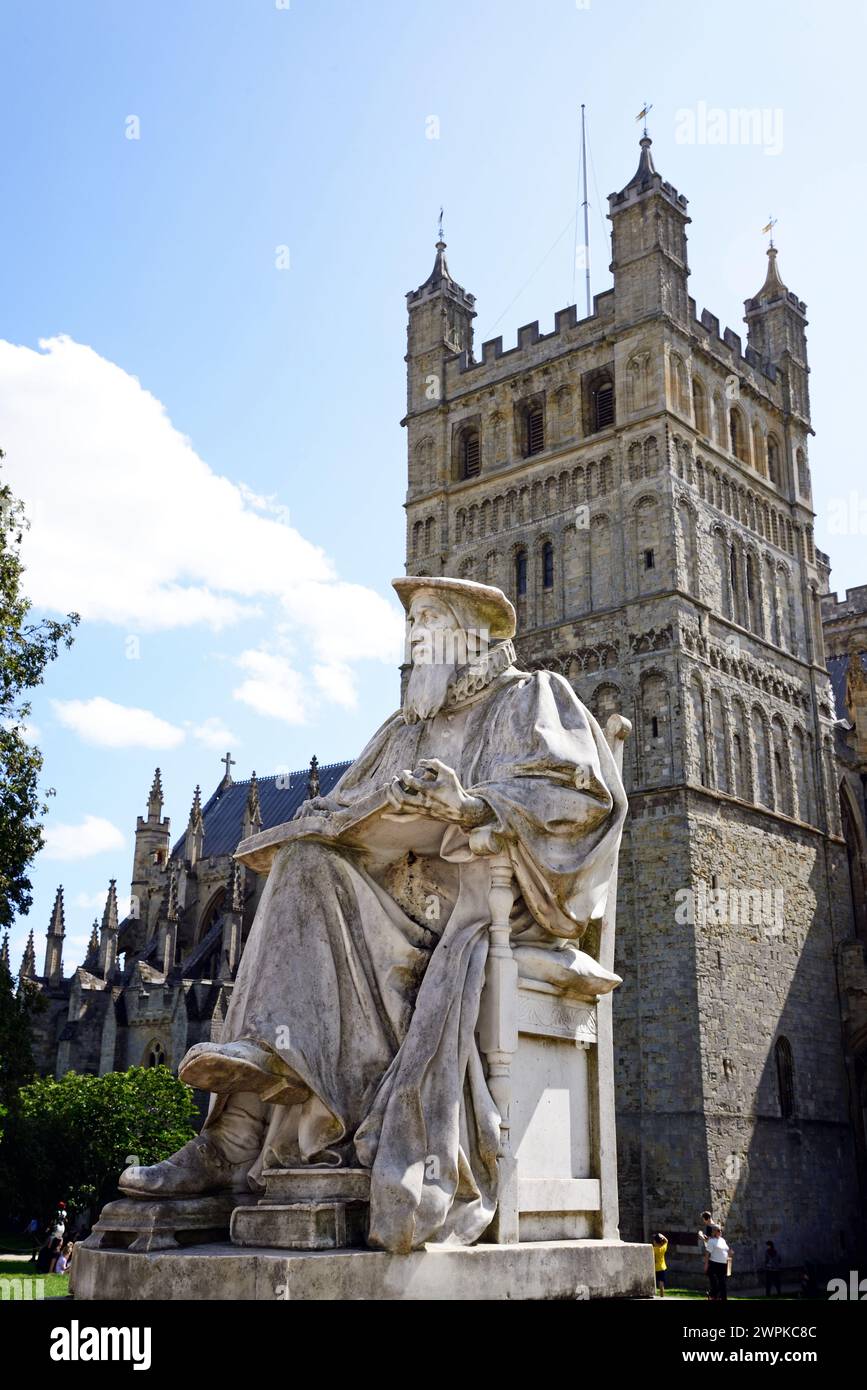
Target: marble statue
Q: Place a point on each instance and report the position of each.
(350, 1039)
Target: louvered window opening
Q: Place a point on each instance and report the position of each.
(604, 407)
(535, 432)
(471, 461)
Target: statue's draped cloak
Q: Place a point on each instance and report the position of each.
(374, 1006)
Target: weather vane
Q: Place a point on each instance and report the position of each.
(440, 226)
(772, 222)
(642, 115)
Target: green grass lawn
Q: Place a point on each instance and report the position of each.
(52, 1285)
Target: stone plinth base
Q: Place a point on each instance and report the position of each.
(575, 1270)
(140, 1225)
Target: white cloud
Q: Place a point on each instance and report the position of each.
(273, 687)
(102, 722)
(214, 734)
(336, 680)
(130, 526)
(93, 835)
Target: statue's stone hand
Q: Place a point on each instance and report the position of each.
(316, 806)
(434, 789)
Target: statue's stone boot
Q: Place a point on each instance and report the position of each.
(243, 1066)
(199, 1168)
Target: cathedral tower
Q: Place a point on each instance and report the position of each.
(637, 482)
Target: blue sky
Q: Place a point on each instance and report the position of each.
(210, 444)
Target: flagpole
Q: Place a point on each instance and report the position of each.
(586, 208)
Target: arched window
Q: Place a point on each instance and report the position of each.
(603, 405)
(155, 1054)
(773, 460)
(547, 565)
(785, 1077)
(803, 476)
(738, 433)
(699, 406)
(470, 453)
(521, 574)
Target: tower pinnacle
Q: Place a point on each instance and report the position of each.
(53, 971)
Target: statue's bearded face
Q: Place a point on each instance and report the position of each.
(436, 643)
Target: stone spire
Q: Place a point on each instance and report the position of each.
(252, 811)
(773, 286)
(195, 836)
(28, 960)
(313, 778)
(230, 949)
(53, 971)
(4, 954)
(108, 934)
(91, 960)
(155, 800)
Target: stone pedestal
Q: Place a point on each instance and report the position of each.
(573, 1270)
(307, 1209)
(140, 1226)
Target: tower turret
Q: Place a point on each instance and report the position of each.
(648, 239)
(53, 972)
(152, 848)
(776, 322)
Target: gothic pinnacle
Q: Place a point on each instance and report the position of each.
(57, 925)
(109, 915)
(156, 792)
(4, 953)
(28, 960)
(91, 960)
(196, 808)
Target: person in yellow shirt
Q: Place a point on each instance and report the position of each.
(659, 1243)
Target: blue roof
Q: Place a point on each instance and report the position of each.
(279, 799)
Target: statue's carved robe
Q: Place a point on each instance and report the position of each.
(365, 963)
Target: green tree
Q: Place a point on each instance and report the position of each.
(26, 648)
(16, 1056)
(72, 1138)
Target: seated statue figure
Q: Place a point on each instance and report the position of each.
(350, 1039)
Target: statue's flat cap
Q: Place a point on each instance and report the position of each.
(489, 608)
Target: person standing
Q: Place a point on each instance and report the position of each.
(772, 1269)
(717, 1251)
(659, 1242)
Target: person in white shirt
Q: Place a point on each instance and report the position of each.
(717, 1251)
